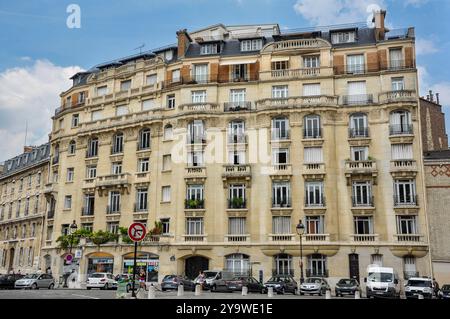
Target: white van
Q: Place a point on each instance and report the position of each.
(382, 282)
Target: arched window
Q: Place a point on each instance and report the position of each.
(312, 127)
(358, 125)
(283, 265)
(144, 139)
(92, 150)
(117, 147)
(238, 264)
(72, 147)
(400, 123)
(168, 132)
(317, 266)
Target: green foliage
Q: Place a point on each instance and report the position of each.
(124, 233)
(102, 237)
(157, 229)
(194, 203)
(238, 202)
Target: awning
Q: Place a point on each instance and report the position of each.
(280, 58)
(235, 62)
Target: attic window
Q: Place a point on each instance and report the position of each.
(251, 45)
(210, 49)
(343, 37)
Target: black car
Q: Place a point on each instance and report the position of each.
(347, 287)
(7, 281)
(171, 282)
(253, 285)
(444, 293)
(282, 284)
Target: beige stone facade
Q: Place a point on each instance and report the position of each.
(321, 131)
(22, 210)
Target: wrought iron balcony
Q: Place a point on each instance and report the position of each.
(312, 133)
(367, 201)
(237, 106)
(317, 202)
(405, 200)
(237, 203)
(194, 204)
(85, 211)
(401, 129)
(317, 273)
(360, 99)
(114, 209)
(358, 132)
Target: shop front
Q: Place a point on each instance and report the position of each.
(149, 263)
(100, 262)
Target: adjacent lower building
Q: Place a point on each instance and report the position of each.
(22, 209)
(232, 136)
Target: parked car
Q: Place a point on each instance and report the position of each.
(347, 287)
(220, 281)
(253, 285)
(419, 286)
(444, 293)
(210, 276)
(314, 285)
(7, 281)
(128, 278)
(35, 281)
(382, 282)
(101, 280)
(171, 282)
(282, 284)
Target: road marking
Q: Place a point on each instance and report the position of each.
(85, 296)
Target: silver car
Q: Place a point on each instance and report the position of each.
(314, 286)
(35, 281)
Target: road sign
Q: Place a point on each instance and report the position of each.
(137, 232)
(69, 258)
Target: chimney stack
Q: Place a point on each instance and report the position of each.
(437, 99)
(379, 18)
(183, 42)
(431, 96)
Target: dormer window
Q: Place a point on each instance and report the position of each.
(168, 55)
(251, 45)
(213, 48)
(343, 37)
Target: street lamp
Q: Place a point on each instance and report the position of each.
(72, 229)
(300, 231)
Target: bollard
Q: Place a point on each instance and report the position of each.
(270, 292)
(328, 294)
(357, 294)
(151, 292)
(198, 290)
(244, 291)
(421, 296)
(180, 290)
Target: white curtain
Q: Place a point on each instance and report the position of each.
(281, 225)
(236, 226)
(313, 155)
(402, 152)
(148, 104)
(357, 88)
(311, 89)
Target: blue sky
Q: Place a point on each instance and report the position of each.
(37, 46)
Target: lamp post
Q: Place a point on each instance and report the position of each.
(300, 231)
(72, 229)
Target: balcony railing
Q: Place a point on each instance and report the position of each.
(113, 180)
(318, 202)
(405, 129)
(194, 238)
(196, 139)
(236, 238)
(281, 237)
(360, 99)
(194, 204)
(413, 238)
(87, 212)
(140, 208)
(285, 203)
(316, 237)
(209, 78)
(50, 214)
(314, 168)
(316, 273)
(237, 106)
(279, 135)
(114, 209)
(360, 166)
(237, 138)
(294, 73)
(358, 132)
(91, 154)
(297, 101)
(236, 170)
(199, 107)
(195, 171)
(312, 133)
(363, 202)
(405, 200)
(397, 96)
(365, 237)
(404, 165)
(283, 272)
(237, 203)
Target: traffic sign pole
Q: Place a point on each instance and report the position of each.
(133, 293)
(137, 233)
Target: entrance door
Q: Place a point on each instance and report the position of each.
(193, 266)
(354, 266)
(11, 259)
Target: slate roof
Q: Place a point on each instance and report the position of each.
(39, 154)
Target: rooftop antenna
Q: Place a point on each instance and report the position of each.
(140, 48)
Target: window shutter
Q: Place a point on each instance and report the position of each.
(313, 155)
(311, 89)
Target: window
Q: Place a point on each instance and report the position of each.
(280, 65)
(314, 194)
(236, 157)
(281, 196)
(87, 227)
(312, 126)
(96, 115)
(92, 148)
(141, 200)
(167, 162)
(406, 225)
(210, 49)
(72, 147)
(236, 196)
(395, 59)
(194, 192)
(168, 132)
(18, 208)
(405, 192)
(201, 73)
(70, 174)
(144, 139)
(194, 226)
(114, 202)
(398, 84)
(355, 64)
(280, 92)
(236, 132)
(196, 132)
(49, 233)
(117, 147)
(311, 89)
(176, 76)
(238, 97)
(121, 110)
(148, 104)
(402, 151)
(313, 155)
(280, 129)
(363, 225)
(151, 79)
(357, 93)
(113, 227)
(311, 61)
(171, 101)
(36, 204)
(68, 101)
(125, 85)
(280, 156)
(27, 206)
(166, 194)
(362, 194)
(343, 37)
(68, 202)
(195, 159)
(237, 263)
(358, 125)
(314, 225)
(376, 259)
(239, 72)
(88, 205)
(116, 168)
(198, 96)
(75, 120)
(33, 230)
(65, 229)
(281, 225)
(143, 165)
(236, 226)
(410, 267)
(283, 265)
(317, 265)
(102, 90)
(91, 172)
(359, 153)
(81, 97)
(400, 123)
(29, 181)
(38, 179)
(165, 226)
(251, 45)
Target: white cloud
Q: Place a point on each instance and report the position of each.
(426, 84)
(425, 46)
(30, 94)
(415, 3)
(329, 12)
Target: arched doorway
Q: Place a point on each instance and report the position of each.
(195, 264)
(11, 259)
